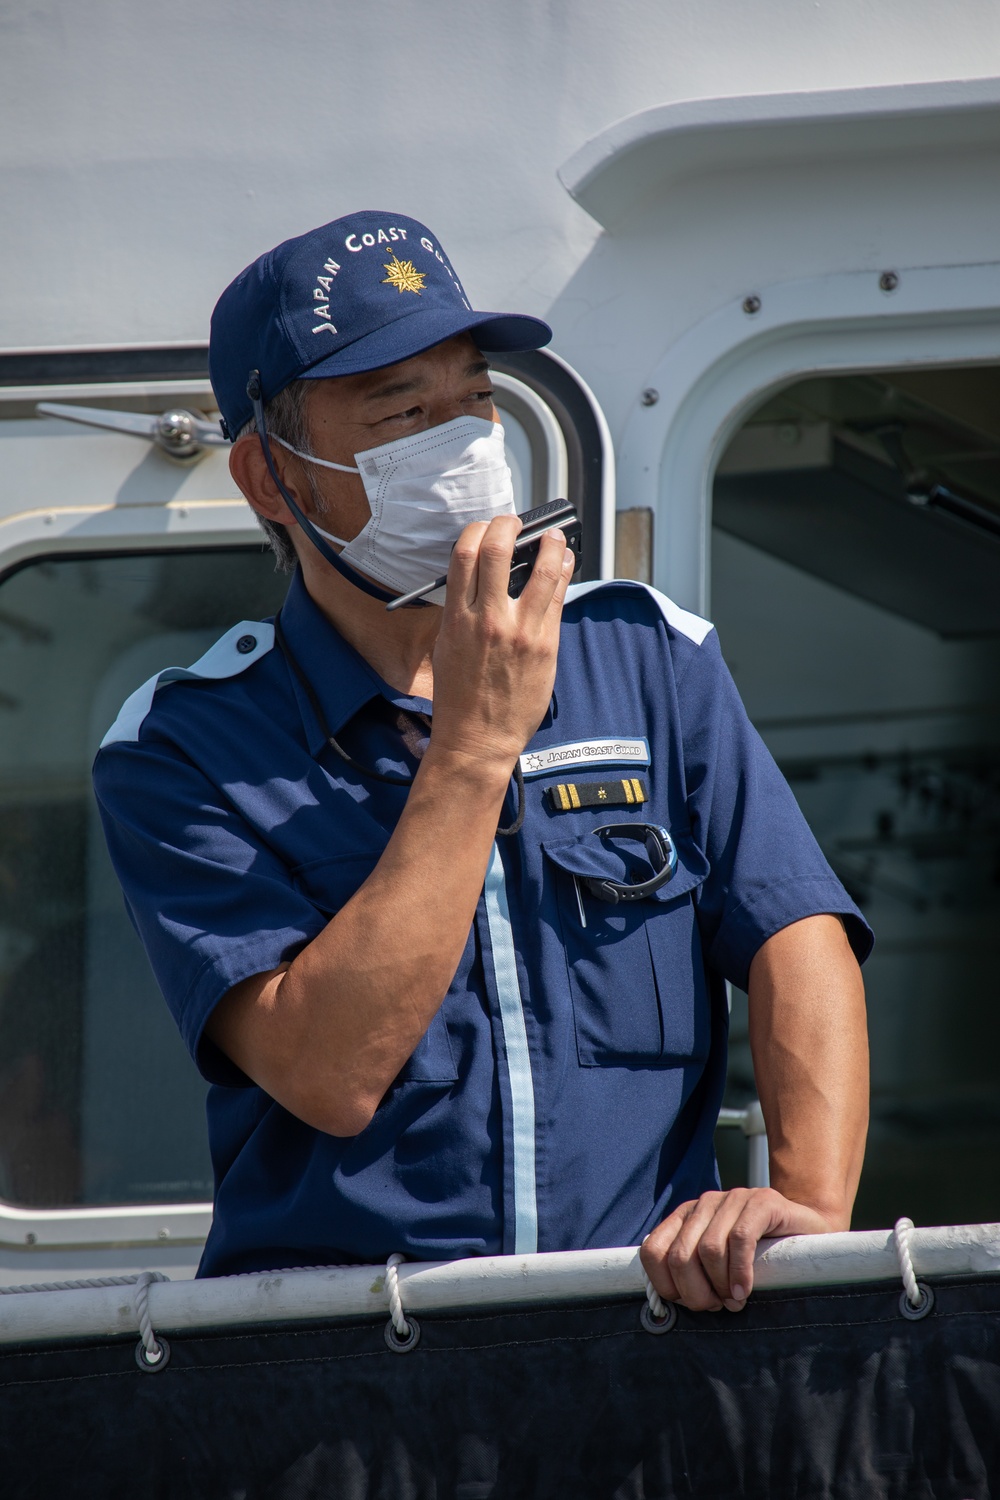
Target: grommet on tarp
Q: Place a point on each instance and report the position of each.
(920, 1309)
(400, 1344)
(151, 1354)
(146, 1360)
(657, 1316)
(653, 1324)
(402, 1334)
(916, 1299)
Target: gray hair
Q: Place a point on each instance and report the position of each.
(286, 418)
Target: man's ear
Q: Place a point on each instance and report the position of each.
(248, 467)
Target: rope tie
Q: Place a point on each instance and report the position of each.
(657, 1306)
(401, 1333)
(916, 1299)
(350, 1265)
(901, 1233)
(151, 1353)
(79, 1286)
(396, 1312)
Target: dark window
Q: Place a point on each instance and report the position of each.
(99, 1102)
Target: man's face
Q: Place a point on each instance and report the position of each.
(349, 414)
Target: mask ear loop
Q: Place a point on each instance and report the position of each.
(322, 546)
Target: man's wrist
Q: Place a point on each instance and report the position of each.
(836, 1214)
(486, 775)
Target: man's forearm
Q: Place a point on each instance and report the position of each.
(327, 1034)
(809, 1039)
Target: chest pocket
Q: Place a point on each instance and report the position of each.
(329, 884)
(636, 973)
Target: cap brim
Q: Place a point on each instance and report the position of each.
(495, 333)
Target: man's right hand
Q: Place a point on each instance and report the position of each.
(495, 658)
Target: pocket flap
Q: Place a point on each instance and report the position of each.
(623, 860)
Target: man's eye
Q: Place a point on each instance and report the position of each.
(481, 395)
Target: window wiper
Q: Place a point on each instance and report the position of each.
(182, 434)
(930, 490)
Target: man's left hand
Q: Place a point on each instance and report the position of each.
(810, 1053)
(702, 1254)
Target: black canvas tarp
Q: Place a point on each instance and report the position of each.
(804, 1394)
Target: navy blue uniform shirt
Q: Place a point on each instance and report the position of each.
(565, 1095)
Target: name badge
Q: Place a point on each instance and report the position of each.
(585, 753)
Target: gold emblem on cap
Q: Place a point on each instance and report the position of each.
(404, 276)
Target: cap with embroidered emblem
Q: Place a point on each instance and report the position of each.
(365, 291)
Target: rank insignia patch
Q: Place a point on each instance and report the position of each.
(569, 795)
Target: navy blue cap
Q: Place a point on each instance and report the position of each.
(366, 291)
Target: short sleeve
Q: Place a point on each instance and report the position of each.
(211, 903)
(767, 869)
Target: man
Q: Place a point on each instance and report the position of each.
(446, 1008)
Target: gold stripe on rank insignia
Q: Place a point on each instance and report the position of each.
(567, 796)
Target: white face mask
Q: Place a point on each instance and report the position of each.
(423, 490)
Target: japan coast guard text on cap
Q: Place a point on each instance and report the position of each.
(362, 292)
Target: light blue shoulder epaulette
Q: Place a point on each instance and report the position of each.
(230, 656)
(681, 620)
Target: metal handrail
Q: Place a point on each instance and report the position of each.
(750, 1119)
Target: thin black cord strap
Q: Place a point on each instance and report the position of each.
(321, 719)
(339, 564)
(359, 766)
(515, 827)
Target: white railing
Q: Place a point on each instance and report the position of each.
(492, 1281)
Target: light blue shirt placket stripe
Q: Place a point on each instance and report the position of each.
(522, 1089)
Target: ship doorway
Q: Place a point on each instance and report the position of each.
(855, 585)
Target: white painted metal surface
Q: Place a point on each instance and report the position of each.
(517, 394)
(710, 202)
(78, 1228)
(609, 479)
(643, 155)
(147, 155)
(516, 1280)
